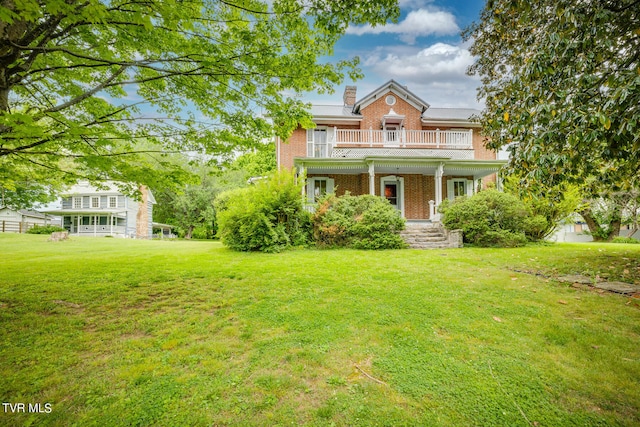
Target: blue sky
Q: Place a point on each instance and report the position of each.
(423, 51)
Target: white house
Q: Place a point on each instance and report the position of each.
(90, 211)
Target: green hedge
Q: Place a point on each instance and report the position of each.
(267, 216)
(44, 229)
(360, 222)
(490, 218)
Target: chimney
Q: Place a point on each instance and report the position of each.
(349, 96)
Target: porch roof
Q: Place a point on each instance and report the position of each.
(400, 165)
(87, 212)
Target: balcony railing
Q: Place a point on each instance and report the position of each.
(363, 138)
(394, 138)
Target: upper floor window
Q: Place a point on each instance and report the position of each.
(95, 202)
(77, 203)
(318, 142)
(113, 201)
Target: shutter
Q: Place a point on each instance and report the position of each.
(330, 185)
(309, 142)
(450, 194)
(470, 187)
(310, 182)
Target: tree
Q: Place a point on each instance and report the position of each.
(190, 206)
(551, 204)
(82, 83)
(561, 81)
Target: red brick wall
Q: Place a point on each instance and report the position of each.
(296, 146)
(418, 190)
(372, 113)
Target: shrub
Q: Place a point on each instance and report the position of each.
(267, 217)
(44, 229)
(489, 218)
(621, 239)
(361, 222)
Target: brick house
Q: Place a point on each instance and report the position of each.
(393, 144)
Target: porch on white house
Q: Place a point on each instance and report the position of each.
(96, 224)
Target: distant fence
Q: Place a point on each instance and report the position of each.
(16, 226)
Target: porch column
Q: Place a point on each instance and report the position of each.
(439, 173)
(301, 172)
(372, 179)
(438, 178)
(111, 224)
(95, 225)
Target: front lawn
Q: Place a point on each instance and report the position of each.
(113, 332)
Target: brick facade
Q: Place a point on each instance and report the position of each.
(419, 189)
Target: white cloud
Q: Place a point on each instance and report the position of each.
(418, 23)
(436, 73)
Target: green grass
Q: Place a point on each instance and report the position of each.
(133, 333)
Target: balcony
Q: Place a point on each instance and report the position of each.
(355, 143)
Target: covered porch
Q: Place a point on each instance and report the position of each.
(415, 186)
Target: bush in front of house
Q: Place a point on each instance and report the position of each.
(360, 222)
(44, 229)
(490, 218)
(268, 216)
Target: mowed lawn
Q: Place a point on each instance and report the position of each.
(113, 332)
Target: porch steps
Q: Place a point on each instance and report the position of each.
(429, 236)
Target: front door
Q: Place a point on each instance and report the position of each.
(392, 189)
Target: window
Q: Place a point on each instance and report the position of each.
(390, 100)
(318, 142)
(103, 220)
(318, 187)
(77, 203)
(391, 133)
(113, 201)
(95, 202)
(457, 187)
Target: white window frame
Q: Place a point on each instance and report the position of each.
(468, 187)
(311, 184)
(400, 190)
(113, 202)
(95, 202)
(317, 149)
(77, 202)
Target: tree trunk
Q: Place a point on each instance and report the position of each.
(189, 232)
(594, 227)
(598, 232)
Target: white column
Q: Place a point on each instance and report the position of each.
(301, 173)
(372, 179)
(438, 177)
(95, 225)
(78, 228)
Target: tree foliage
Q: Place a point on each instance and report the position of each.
(561, 80)
(267, 216)
(102, 89)
(551, 204)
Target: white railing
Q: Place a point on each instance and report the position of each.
(415, 138)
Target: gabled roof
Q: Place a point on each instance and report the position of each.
(25, 212)
(399, 90)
